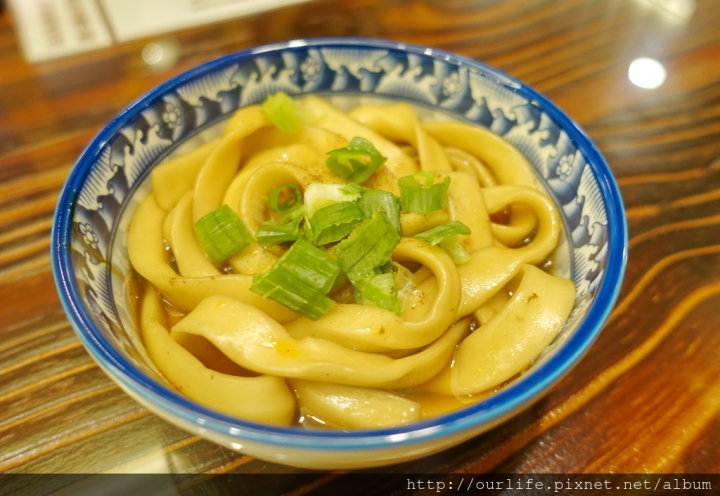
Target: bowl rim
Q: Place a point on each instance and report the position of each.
(490, 411)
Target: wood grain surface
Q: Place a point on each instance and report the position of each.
(646, 398)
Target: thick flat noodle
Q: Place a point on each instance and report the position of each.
(492, 268)
(513, 338)
(436, 404)
(250, 202)
(342, 364)
(257, 342)
(148, 257)
(209, 355)
(222, 164)
(491, 307)
(370, 328)
(399, 123)
(179, 232)
(383, 179)
(329, 118)
(305, 150)
(353, 407)
(466, 204)
(308, 145)
(464, 162)
(265, 399)
(521, 226)
(508, 165)
(253, 259)
(546, 220)
(175, 177)
(413, 223)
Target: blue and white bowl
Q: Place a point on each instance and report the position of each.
(90, 257)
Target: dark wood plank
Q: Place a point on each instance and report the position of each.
(646, 398)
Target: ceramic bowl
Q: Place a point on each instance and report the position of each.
(90, 260)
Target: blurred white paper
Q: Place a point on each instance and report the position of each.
(50, 29)
(132, 19)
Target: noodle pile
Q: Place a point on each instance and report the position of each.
(359, 365)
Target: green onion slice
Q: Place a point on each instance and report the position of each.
(352, 189)
(373, 199)
(269, 235)
(300, 280)
(380, 291)
(390, 288)
(334, 222)
(282, 111)
(438, 234)
(355, 162)
(455, 249)
(285, 199)
(222, 233)
(419, 194)
(404, 282)
(368, 247)
(320, 195)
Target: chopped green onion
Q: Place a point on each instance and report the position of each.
(437, 234)
(308, 234)
(389, 288)
(269, 235)
(222, 233)
(352, 189)
(404, 282)
(455, 249)
(419, 194)
(339, 281)
(384, 268)
(320, 195)
(285, 199)
(369, 246)
(373, 199)
(425, 178)
(334, 222)
(300, 280)
(355, 162)
(281, 110)
(380, 291)
(446, 235)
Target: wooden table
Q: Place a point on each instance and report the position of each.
(646, 398)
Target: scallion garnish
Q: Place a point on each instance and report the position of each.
(281, 110)
(269, 235)
(352, 189)
(380, 291)
(389, 288)
(373, 199)
(334, 222)
(355, 162)
(222, 233)
(369, 246)
(455, 249)
(285, 199)
(300, 280)
(404, 282)
(319, 195)
(438, 234)
(446, 235)
(419, 194)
